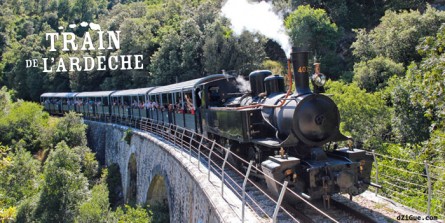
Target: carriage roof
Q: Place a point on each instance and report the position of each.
(59, 94)
(132, 92)
(187, 85)
(94, 94)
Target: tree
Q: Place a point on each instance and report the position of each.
(71, 129)
(166, 62)
(64, 187)
(20, 178)
(274, 66)
(408, 121)
(364, 116)
(191, 48)
(373, 75)
(133, 214)
(397, 35)
(26, 211)
(5, 101)
(28, 82)
(222, 50)
(84, 10)
(114, 183)
(429, 75)
(311, 28)
(24, 122)
(397, 5)
(90, 166)
(348, 13)
(64, 10)
(97, 208)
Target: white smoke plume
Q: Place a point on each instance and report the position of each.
(257, 17)
(243, 84)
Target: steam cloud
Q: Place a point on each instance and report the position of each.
(243, 85)
(257, 17)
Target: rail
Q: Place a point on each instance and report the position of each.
(426, 183)
(223, 163)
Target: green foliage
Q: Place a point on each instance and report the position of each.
(20, 178)
(349, 13)
(5, 161)
(397, 35)
(166, 66)
(274, 66)
(114, 182)
(364, 116)
(312, 28)
(235, 54)
(132, 214)
(64, 187)
(373, 75)
(127, 136)
(402, 172)
(84, 10)
(408, 121)
(429, 75)
(26, 211)
(8, 214)
(160, 212)
(5, 101)
(24, 122)
(397, 5)
(97, 208)
(70, 129)
(90, 166)
(436, 146)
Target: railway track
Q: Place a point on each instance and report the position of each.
(341, 212)
(257, 197)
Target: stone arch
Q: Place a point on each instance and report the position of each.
(131, 197)
(159, 197)
(114, 183)
(157, 191)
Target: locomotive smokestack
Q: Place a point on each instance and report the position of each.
(300, 62)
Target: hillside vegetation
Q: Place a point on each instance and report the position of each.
(385, 61)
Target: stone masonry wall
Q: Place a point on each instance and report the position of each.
(191, 197)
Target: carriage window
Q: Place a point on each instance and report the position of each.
(105, 101)
(214, 96)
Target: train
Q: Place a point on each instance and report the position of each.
(291, 135)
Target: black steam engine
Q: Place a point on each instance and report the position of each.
(290, 135)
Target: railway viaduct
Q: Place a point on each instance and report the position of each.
(154, 171)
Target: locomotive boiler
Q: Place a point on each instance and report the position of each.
(291, 136)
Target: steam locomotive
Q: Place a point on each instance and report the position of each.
(291, 136)
(301, 126)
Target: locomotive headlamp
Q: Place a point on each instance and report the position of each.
(318, 78)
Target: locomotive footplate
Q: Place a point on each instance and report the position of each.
(352, 154)
(334, 175)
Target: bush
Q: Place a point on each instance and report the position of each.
(127, 136)
(373, 75)
(364, 116)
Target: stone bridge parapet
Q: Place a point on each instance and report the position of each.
(152, 170)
